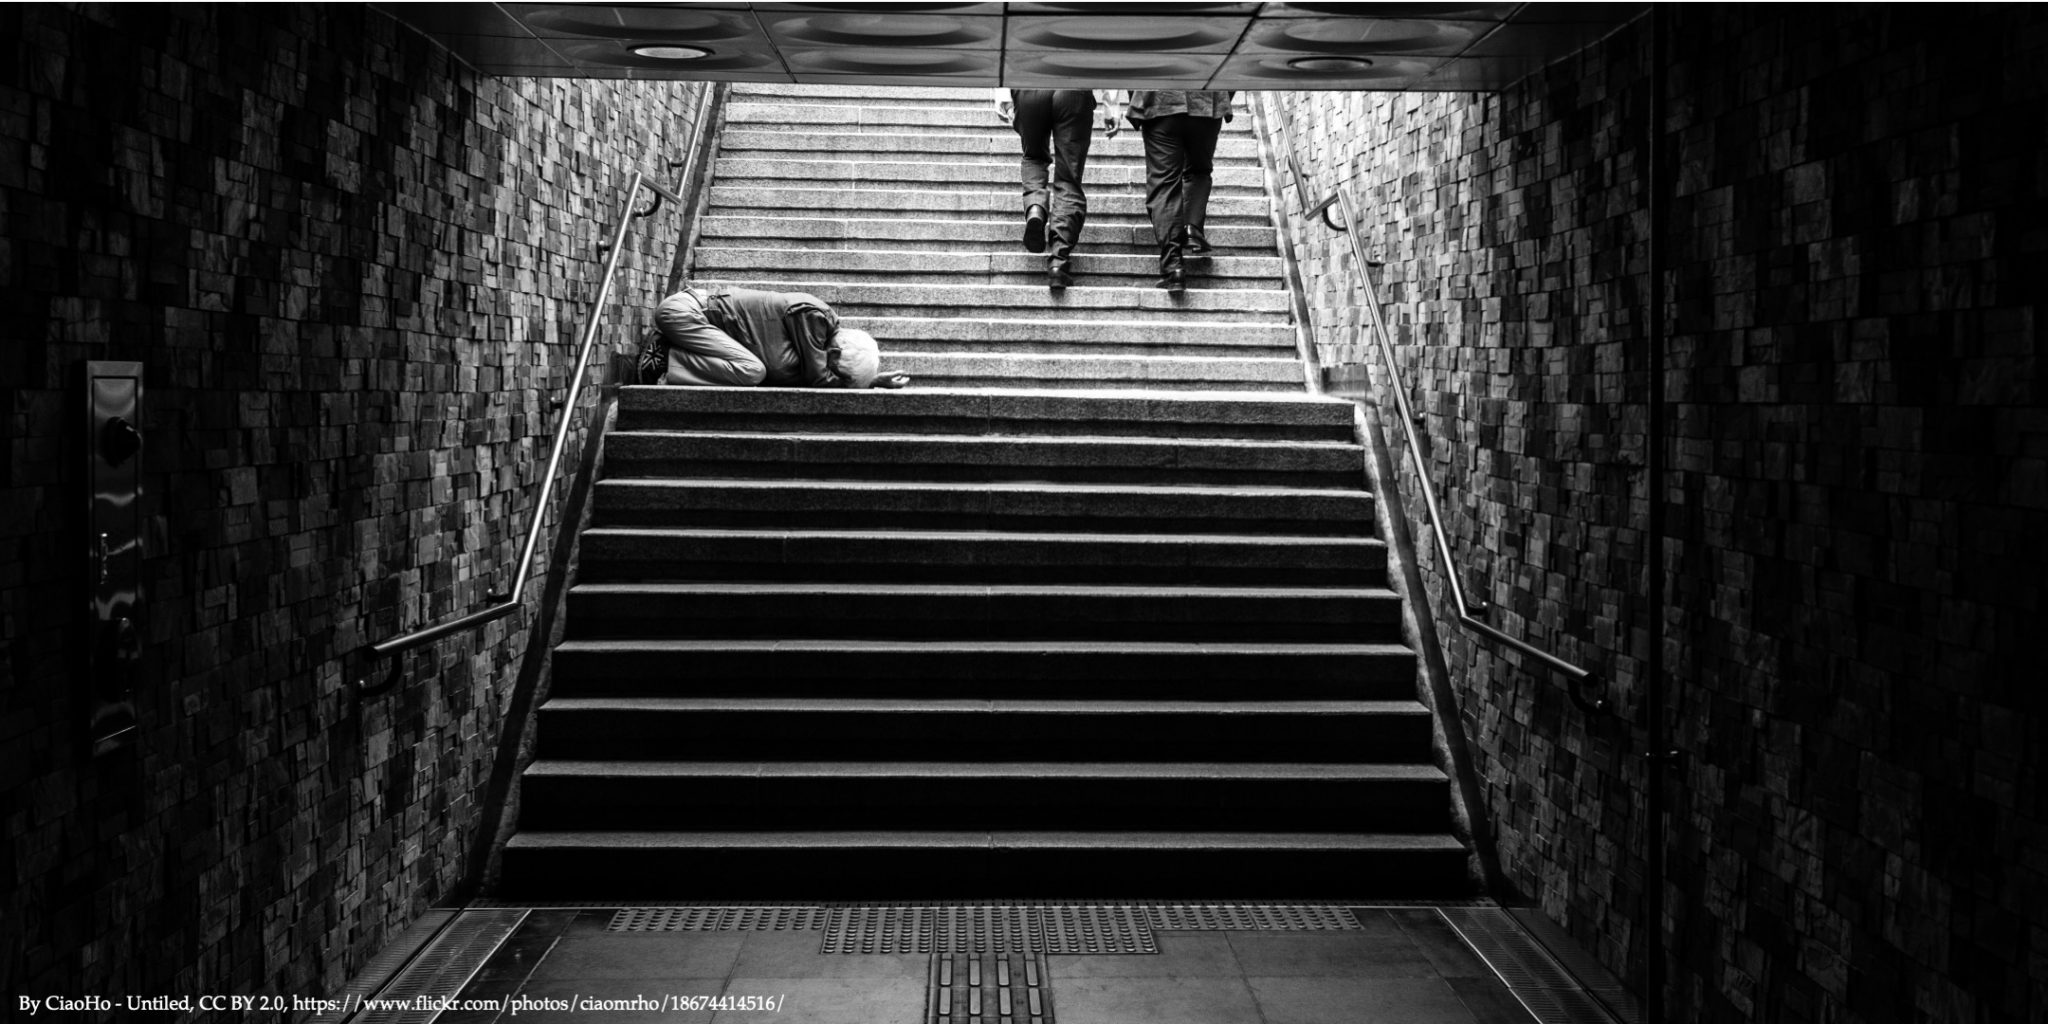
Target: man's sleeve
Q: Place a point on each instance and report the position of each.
(811, 329)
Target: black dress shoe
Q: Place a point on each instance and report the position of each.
(1034, 229)
(1198, 246)
(1172, 275)
(1057, 276)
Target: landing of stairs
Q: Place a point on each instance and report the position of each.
(1030, 963)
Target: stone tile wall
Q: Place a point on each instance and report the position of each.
(355, 270)
(1858, 484)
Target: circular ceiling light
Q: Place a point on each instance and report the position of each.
(1328, 65)
(670, 51)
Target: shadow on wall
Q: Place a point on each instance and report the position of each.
(1858, 494)
(352, 270)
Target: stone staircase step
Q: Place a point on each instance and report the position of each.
(1098, 336)
(809, 667)
(651, 553)
(861, 95)
(958, 729)
(995, 234)
(868, 504)
(851, 119)
(1008, 413)
(1096, 267)
(762, 793)
(991, 203)
(1010, 611)
(855, 299)
(828, 456)
(999, 142)
(1108, 178)
(1200, 373)
(963, 864)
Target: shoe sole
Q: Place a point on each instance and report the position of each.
(1034, 235)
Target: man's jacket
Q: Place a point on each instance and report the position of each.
(792, 332)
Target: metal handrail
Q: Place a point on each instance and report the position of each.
(1469, 612)
(506, 604)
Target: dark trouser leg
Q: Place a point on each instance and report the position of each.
(1034, 121)
(1073, 128)
(1201, 163)
(1165, 177)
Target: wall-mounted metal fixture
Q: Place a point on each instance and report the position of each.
(1586, 688)
(113, 550)
(505, 603)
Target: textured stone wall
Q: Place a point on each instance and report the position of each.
(354, 270)
(1857, 485)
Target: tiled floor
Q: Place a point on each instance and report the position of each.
(1405, 965)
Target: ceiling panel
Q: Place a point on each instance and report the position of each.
(1126, 33)
(1381, 46)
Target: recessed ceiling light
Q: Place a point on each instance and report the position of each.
(1328, 64)
(671, 52)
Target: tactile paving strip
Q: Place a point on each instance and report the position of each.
(1242, 917)
(988, 988)
(989, 928)
(742, 918)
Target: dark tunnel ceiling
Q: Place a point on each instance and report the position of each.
(1444, 47)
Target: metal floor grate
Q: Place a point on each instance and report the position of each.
(1535, 978)
(446, 965)
(737, 918)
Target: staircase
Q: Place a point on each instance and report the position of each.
(1094, 609)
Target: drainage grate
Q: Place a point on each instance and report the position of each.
(989, 928)
(446, 965)
(1531, 973)
(384, 966)
(742, 918)
(1250, 917)
(988, 988)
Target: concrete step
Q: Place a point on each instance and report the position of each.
(1005, 413)
(1195, 373)
(990, 203)
(786, 864)
(1043, 670)
(961, 729)
(995, 234)
(832, 456)
(1097, 267)
(850, 120)
(1108, 178)
(916, 505)
(654, 553)
(862, 95)
(1095, 336)
(855, 299)
(999, 142)
(757, 793)
(1009, 611)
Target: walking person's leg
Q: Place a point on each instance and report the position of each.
(1166, 192)
(1073, 130)
(1034, 124)
(1202, 134)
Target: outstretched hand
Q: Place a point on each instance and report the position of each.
(891, 380)
(1006, 111)
(1110, 124)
